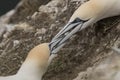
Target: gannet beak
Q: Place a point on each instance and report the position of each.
(60, 39)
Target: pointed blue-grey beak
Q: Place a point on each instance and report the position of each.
(60, 39)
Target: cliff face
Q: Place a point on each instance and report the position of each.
(35, 21)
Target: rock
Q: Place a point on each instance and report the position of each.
(109, 69)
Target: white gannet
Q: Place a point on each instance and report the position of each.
(87, 14)
(35, 64)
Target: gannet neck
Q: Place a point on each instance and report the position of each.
(36, 62)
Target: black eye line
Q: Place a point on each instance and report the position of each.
(79, 20)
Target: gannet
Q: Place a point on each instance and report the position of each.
(88, 13)
(35, 64)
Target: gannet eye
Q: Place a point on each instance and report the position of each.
(76, 20)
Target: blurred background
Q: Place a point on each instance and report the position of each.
(7, 5)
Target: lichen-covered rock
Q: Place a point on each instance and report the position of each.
(109, 69)
(25, 9)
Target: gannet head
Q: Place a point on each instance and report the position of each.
(36, 62)
(80, 19)
(40, 55)
(87, 14)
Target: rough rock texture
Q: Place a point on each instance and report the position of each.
(109, 69)
(40, 22)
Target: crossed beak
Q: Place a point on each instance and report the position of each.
(64, 34)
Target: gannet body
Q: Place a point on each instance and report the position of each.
(35, 64)
(87, 14)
